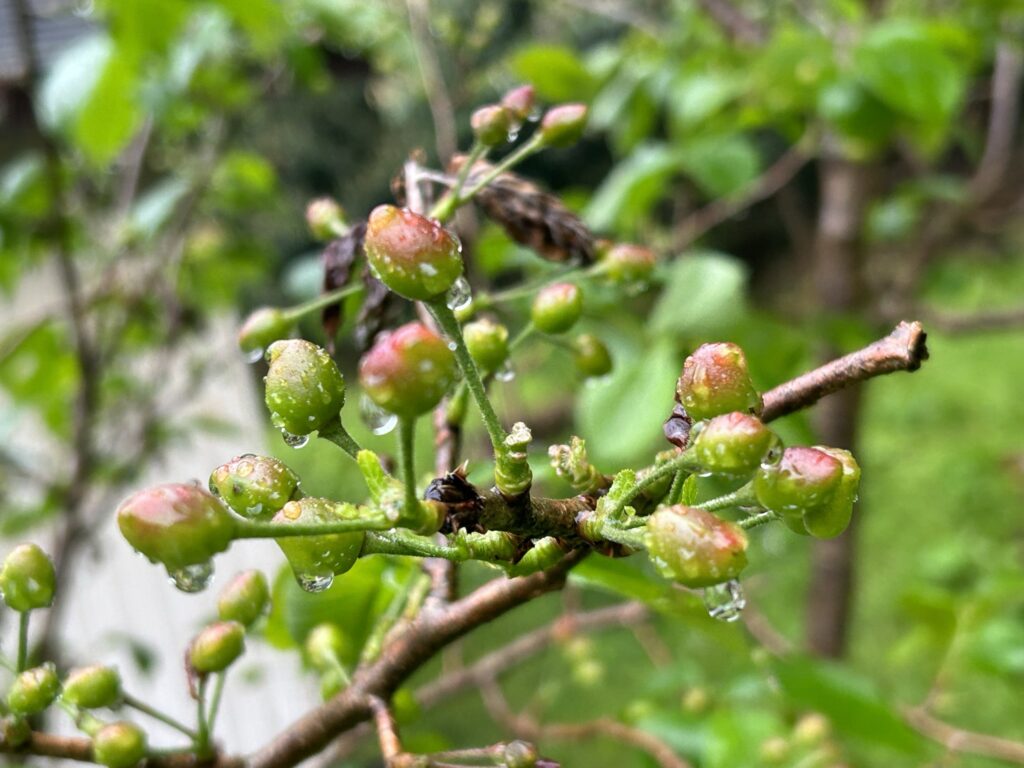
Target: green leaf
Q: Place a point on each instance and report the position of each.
(111, 115)
(556, 73)
(262, 20)
(71, 80)
(697, 97)
(703, 295)
(720, 165)
(632, 188)
(155, 207)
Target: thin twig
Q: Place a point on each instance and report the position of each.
(963, 741)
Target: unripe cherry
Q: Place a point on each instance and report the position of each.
(93, 687)
(27, 579)
(557, 307)
(694, 547)
(626, 263)
(262, 328)
(715, 380)
(519, 102)
(412, 255)
(832, 518)
(119, 745)
(491, 125)
(325, 218)
(305, 391)
(591, 356)
(316, 560)
(254, 486)
(177, 524)
(325, 646)
(520, 754)
(732, 444)
(217, 647)
(408, 371)
(245, 598)
(562, 126)
(802, 480)
(33, 690)
(487, 343)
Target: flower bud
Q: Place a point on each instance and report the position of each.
(176, 524)
(519, 102)
(217, 647)
(254, 486)
(802, 480)
(626, 264)
(491, 125)
(591, 356)
(325, 646)
(27, 579)
(562, 126)
(33, 690)
(557, 307)
(408, 371)
(304, 388)
(326, 219)
(520, 754)
(487, 342)
(732, 444)
(93, 687)
(694, 547)
(412, 255)
(262, 328)
(245, 598)
(832, 518)
(715, 380)
(119, 745)
(316, 560)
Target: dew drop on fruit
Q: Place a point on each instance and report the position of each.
(377, 420)
(314, 582)
(192, 578)
(254, 355)
(459, 295)
(725, 602)
(506, 372)
(294, 441)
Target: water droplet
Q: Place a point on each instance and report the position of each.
(725, 602)
(506, 372)
(254, 355)
(452, 346)
(379, 421)
(459, 295)
(192, 578)
(314, 582)
(294, 441)
(513, 135)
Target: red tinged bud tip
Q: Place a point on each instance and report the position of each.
(715, 380)
(412, 255)
(695, 547)
(408, 371)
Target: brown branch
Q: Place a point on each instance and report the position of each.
(733, 22)
(1002, 123)
(438, 99)
(962, 741)
(79, 749)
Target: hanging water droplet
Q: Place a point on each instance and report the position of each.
(459, 295)
(725, 602)
(506, 372)
(254, 355)
(192, 578)
(379, 421)
(314, 582)
(294, 441)
(513, 135)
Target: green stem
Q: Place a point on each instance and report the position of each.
(407, 461)
(448, 204)
(760, 518)
(23, 640)
(202, 732)
(141, 706)
(527, 289)
(683, 462)
(675, 493)
(325, 300)
(255, 529)
(521, 337)
(337, 434)
(741, 497)
(401, 543)
(375, 641)
(511, 160)
(218, 691)
(632, 538)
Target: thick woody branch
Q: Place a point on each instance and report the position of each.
(79, 749)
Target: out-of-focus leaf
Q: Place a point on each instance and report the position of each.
(720, 165)
(155, 207)
(630, 190)
(735, 737)
(555, 71)
(261, 20)
(41, 373)
(703, 295)
(111, 114)
(696, 97)
(23, 189)
(242, 180)
(998, 648)
(71, 79)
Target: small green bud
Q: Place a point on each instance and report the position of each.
(27, 579)
(520, 754)
(93, 687)
(408, 371)
(119, 745)
(262, 328)
(33, 690)
(245, 598)
(325, 646)
(627, 264)
(811, 730)
(304, 388)
(491, 125)
(217, 647)
(176, 524)
(832, 518)
(316, 560)
(325, 218)
(562, 126)
(254, 486)
(519, 103)
(694, 547)
(732, 444)
(557, 308)
(715, 380)
(332, 682)
(591, 356)
(487, 342)
(412, 255)
(804, 479)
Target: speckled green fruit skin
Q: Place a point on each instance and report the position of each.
(732, 444)
(33, 690)
(245, 598)
(562, 126)
(412, 255)
(591, 356)
(119, 745)
(317, 556)
(831, 519)
(305, 391)
(177, 524)
(93, 687)
(626, 263)
(27, 579)
(487, 343)
(217, 647)
(715, 380)
(254, 486)
(262, 328)
(804, 479)
(557, 307)
(408, 371)
(694, 547)
(491, 125)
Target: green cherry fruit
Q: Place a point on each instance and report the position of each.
(628, 264)
(412, 255)
(591, 356)
(262, 328)
(562, 126)
(803, 479)
(254, 486)
(694, 547)
(93, 687)
(325, 218)
(557, 307)
(832, 518)
(487, 342)
(520, 754)
(519, 103)
(177, 524)
(217, 647)
(325, 646)
(491, 125)
(408, 371)
(33, 690)
(119, 745)
(316, 560)
(715, 380)
(732, 444)
(304, 388)
(244, 599)
(27, 579)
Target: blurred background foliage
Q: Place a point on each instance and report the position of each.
(185, 138)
